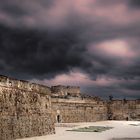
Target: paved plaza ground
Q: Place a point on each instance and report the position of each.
(122, 130)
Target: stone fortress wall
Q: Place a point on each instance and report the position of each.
(80, 110)
(69, 106)
(29, 109)
(61, 91)
(124, 109)
(25, 109)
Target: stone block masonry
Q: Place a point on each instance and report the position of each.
(70, 106)
(29, 109)
(124, 109)
(70, 110)
(25, 109)
(63, 91)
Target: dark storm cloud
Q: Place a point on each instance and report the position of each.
(37, 53)
(105, 92)
(14, 11)
(43, 39)
(135, 3)
(118, 89)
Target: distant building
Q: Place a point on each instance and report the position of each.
(63, 91)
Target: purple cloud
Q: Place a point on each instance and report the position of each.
(89, 43)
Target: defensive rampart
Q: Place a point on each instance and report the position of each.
(124, 109)
(29, 109)
(80, 110)
(25, 109)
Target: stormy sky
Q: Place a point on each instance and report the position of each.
(94, 44)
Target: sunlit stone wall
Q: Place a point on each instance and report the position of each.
(25, 109)
(125, 109)
(78, 110)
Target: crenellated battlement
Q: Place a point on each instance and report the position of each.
(61, 90)
(23, 85)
